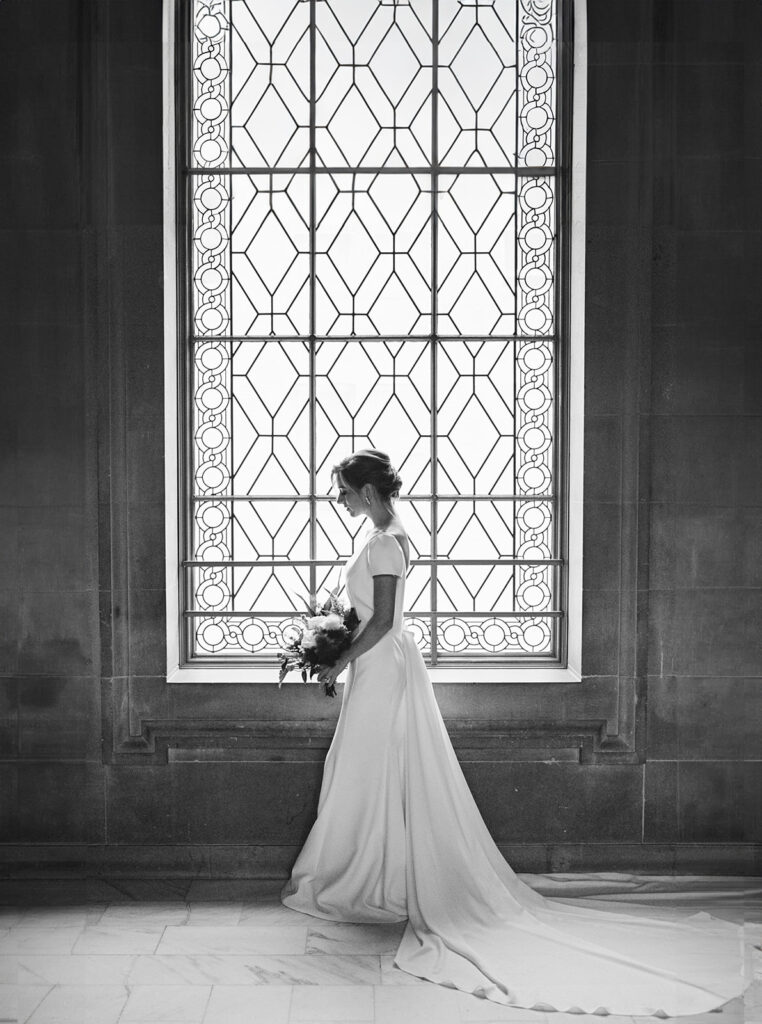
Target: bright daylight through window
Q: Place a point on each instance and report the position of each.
(374, 255)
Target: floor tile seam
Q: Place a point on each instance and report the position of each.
(290, 1001)
(206, 1004)
(48, 987)
(51, 988)
(83, 928)
(353, 956)
(130, 989)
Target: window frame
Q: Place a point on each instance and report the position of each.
(569, 381)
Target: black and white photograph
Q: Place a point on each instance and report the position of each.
(381, 504)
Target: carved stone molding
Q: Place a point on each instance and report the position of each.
(143, 724)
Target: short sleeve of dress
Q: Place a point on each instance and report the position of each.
(385, 556)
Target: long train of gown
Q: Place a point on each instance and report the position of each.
(398, 836)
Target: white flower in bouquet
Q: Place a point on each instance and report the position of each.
(326, 622)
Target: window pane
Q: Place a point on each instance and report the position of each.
(270, 255)
(476, 263)
(486, 587)
(271, 438)
(497, 59)
(494, 417)
(535, 256)
(373, 259)
(373, 65)
(233, 637)
(251, 414)
(210, 84)
(418, 590)
(337, 531)
(251, 255)
(375, 394)
(537, 83)
(477, 83)
(489, 529)
(270, 75)
(536, 417)
(211, 420)
(534, 588)
(496, 255)
(495, 634)
(210, 221)
(476, 417)
(259, 530)
(533, 529)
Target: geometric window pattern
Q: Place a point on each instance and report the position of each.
(372, 227)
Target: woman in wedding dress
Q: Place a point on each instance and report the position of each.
(399, 837)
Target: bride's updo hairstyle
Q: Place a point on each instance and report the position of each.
(369, 466)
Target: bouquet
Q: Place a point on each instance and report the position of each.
(327, 634)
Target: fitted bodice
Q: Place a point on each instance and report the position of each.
(380, 552)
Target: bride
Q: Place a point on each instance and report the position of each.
(398, 836)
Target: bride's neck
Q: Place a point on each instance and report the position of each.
(381, 522)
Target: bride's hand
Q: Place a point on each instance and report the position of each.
(328, 675)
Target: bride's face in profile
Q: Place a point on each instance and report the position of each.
(348, 498)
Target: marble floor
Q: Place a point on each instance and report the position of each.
(227, 952)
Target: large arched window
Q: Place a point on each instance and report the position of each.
(374, 208)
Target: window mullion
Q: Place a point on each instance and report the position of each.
(434, 349)
(312, 337)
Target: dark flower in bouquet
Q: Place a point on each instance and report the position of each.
(326, 635)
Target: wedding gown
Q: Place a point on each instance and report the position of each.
(398, 837)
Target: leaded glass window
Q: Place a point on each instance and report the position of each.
(372, 240)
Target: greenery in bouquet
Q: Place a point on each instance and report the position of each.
(327, 633)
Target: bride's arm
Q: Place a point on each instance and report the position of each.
(379, 624)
